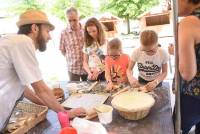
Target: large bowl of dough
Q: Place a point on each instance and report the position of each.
(133, 105)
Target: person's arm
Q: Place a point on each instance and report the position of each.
(152, 85)
(46, 95)
(30, 95)
(186, 50)
(86, 66)
(108, 76)
(107, 70)
(164, 68)
(133, 81)
(171, 49)
(163, 75)
(62, 46)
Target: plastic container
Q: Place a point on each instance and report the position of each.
(84, 126)
(63, 118)
(104, 113)
(68, 130)
(56, 85)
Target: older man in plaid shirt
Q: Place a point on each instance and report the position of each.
(71, 45)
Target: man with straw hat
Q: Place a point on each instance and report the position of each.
(19, 66)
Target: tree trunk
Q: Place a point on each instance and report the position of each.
(128, 24)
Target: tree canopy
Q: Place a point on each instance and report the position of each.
(133, 8)
(84, 7)
(56, 7)
(128, 9)
(22, 5)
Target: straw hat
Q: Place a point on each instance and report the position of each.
(34, 17)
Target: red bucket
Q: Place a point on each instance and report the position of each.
(68, 130)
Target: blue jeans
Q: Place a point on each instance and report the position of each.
(190, 113)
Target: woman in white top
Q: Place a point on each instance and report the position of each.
(94, 50)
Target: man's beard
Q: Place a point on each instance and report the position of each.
(41, 42)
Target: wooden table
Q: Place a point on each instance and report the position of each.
(159, 120)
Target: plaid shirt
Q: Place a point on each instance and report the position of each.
(72, 43)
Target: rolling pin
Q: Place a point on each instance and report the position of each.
(91, 113)
(92, 86)
(121, 91)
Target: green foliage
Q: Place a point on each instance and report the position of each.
(131, 8)
(56, 7)
(128, 9)
(23, 5)
(84, 7)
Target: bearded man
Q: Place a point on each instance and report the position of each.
(19, 66)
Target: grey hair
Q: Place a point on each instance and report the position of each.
(71, 9)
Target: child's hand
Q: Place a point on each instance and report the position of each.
(151, 85)
(110, 86)
(135, 84)
(95, 74)
(143, 89)
(90, 76)
(77, 112)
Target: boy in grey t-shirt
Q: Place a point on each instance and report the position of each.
(151, 61)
